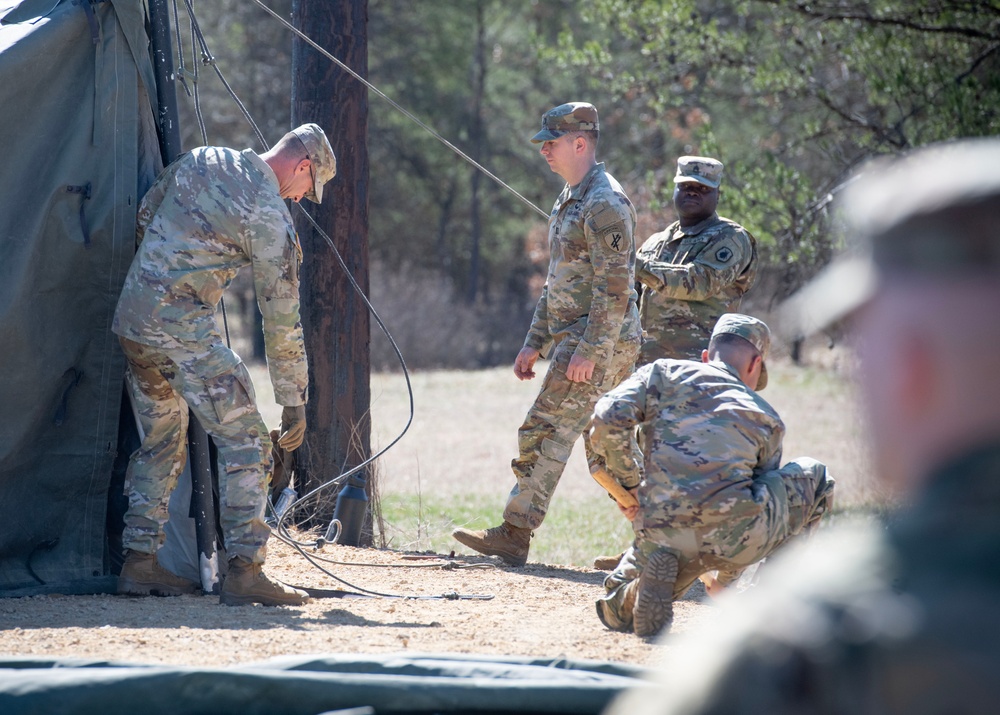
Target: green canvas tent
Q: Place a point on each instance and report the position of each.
(80, 146)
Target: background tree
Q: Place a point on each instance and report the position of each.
(450, 242)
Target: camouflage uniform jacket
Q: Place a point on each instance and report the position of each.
(211, 212)
(704, 436)
(692, 276)
(589, 293)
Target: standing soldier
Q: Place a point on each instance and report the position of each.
(586, 314)
(211, 212)
(695, 270)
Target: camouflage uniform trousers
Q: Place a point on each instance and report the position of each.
(796, 497)
(215, 384)
(558, 417)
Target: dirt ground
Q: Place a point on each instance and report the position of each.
(539, 611)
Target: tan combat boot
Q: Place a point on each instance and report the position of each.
(142, 575)
(608, 563)
(654, 598)
(507, 541)
(246, 583)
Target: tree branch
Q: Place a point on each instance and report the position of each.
(864, 14)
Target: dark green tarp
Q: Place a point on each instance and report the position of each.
(401, 683)
(79, 149)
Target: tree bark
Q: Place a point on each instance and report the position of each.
(477, 135)
(334, 317)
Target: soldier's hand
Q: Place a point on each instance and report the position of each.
(631, 512)
(580, 369)
(524, 362)
(712, 586)
(293, 427)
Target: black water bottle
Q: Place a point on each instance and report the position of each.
(351, 509)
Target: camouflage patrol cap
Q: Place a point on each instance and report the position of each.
(752, 330)
(569, 117)
(932, 213)
(700, 169)
(320, 153)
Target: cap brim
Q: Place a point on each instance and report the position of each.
(837, 291)
(545, 135)
(696, 180)
(762, 380)
(316, 194)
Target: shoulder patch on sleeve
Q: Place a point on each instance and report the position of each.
(610, 226)
(728, 251)
(616, 239)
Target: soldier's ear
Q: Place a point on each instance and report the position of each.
(917, 377)
(704, 356)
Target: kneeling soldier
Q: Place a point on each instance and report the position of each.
(713, 497)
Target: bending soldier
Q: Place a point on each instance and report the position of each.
(211, 212)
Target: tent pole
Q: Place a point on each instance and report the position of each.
(202, 495)
(166, 94)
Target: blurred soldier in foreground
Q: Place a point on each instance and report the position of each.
(693, 271)
(587, 311)
(211, 212)
(712, 496)
(900, 619)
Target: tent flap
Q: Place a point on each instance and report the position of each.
(74, 116)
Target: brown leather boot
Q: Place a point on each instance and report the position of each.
(608, 563)
(246, 583)
(142, 575)
(654, 598)
(507, 541)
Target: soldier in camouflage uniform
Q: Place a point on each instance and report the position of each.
(211, 212)
(712, 493)
(586, 320)
(695, 270)
(692, 272)
(900, 618)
